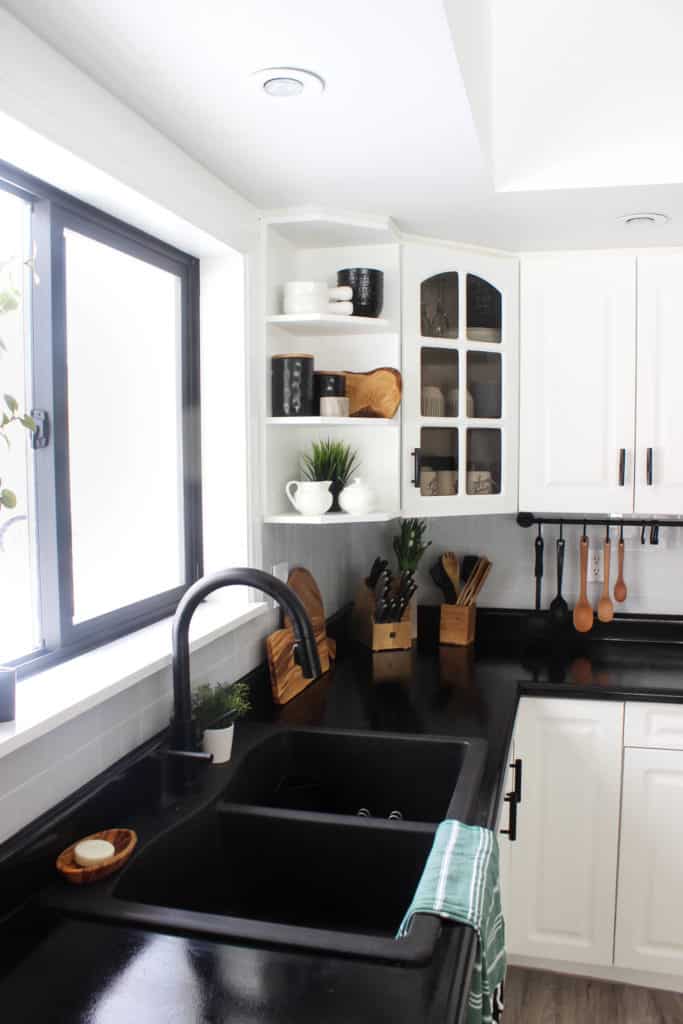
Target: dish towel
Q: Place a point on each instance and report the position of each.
(460, 882)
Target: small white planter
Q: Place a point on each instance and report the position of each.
(219, 743)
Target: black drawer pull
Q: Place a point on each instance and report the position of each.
(517, 765)
(649, 471)
(511, 830)
(622, 467)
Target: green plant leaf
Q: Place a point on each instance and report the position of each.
(11, 403)
(28, 422)
(8, 498)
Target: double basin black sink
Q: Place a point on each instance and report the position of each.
(283, 857)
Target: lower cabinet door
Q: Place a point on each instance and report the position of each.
(562, 871)
(650, 903)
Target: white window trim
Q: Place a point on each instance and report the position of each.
(51, 698)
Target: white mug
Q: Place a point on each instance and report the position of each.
(305, 297)
(311, 498)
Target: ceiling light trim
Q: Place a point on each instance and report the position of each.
(312, 83)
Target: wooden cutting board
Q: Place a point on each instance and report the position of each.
(376, 394)
(286, 677)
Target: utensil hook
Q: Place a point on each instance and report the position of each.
(584, 530)
(621, 534)
(606, 533)
(561, 530)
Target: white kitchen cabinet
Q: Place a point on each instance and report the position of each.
(577, 382)
(659, 437)
(460, 381)
(649, 927)
(560, 877)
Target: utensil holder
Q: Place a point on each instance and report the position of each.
(457, 624)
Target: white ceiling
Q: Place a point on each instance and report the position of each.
(393, 133)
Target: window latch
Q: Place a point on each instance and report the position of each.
(40, 438)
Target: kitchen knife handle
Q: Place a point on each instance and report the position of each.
(622, 467)
(649, 469)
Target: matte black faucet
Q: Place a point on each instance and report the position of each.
(305, 649)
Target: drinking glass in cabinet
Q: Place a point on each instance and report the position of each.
(439, 382)
(484, 383)
(438, 461)
(484, 310)
(439, 305)
(484, 460)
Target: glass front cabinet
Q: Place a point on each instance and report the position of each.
(460, 367)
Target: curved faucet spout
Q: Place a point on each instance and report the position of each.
(305, 649)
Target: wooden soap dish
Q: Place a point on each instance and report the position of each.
(124, 841)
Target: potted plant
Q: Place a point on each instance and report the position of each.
(215, 710)
(409, 547)
(332, 461)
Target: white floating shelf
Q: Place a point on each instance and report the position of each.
(329, 421)
(330, 518)
(328, 323)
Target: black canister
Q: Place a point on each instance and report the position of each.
(327, 385)
(368, 289)
(291, 378)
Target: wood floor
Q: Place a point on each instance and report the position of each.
(538, 997)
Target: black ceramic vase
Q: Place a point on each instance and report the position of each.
(368, 289)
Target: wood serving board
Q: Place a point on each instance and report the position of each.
(286, 677)
(376, 394)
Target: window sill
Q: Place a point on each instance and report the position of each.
(49, 699)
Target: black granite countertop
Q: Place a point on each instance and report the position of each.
(55, 968)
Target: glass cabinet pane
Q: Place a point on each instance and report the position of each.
(484, 310)
(439, 304)
(439, 382)
(484, 384)
(483, 461)
(438, 463)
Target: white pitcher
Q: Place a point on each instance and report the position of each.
(356, 498)
(311, 498)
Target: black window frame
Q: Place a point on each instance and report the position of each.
(51, 212)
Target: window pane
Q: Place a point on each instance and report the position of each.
(484, 310)
(439, 382)
(485, 384)
(439, 306)
(438, 461)
(484, 461)
(19, 625)
(123, 323)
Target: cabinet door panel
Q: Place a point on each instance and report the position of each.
(563, 867)
(660, 372)
(577, 381)
(649, 932)
(460, 377)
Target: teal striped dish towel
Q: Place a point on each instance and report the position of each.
(461, 882)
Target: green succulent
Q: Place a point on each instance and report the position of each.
(410, 545)
(219, 705)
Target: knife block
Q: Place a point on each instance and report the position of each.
(457, 625)
(379, 636)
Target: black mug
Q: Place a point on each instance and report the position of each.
(368, 289)
(291, 378)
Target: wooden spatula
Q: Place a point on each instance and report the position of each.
(583, 610)
(605, 606)
(620, 588)
(451, 567)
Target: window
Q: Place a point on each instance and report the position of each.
(100, 329)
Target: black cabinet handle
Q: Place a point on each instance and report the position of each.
(416, 467)
(511, 830)
(517, 792)
(622, 467)
(649, 467)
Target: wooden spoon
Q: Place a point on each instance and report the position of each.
(620, 588)
(583, 611)
(451, 567)
(605, 606)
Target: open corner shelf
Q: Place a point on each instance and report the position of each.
(330, 518)
(328, 323)
(329, 421)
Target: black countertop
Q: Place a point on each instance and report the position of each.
(55, 968)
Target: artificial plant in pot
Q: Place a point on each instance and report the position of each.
(215, 710)
(334, 461)
(10, 417)
(409, 547)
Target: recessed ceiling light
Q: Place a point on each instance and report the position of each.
(285, 82)
(644, 218)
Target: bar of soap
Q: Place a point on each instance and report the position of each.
(91, 852)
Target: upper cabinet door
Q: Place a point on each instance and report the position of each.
(460, 402)
(577, 380)
(659, 440)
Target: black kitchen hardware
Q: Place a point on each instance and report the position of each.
(654, 534)
(368, 289)
(511, 830)
(643, 534)
(622, 467)
(291, 377)
(40, 437)
(649, 468)
(559, 609)
(517, 767)
(528, 519)
(416, 467)
(538, 566)
(327, 385)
